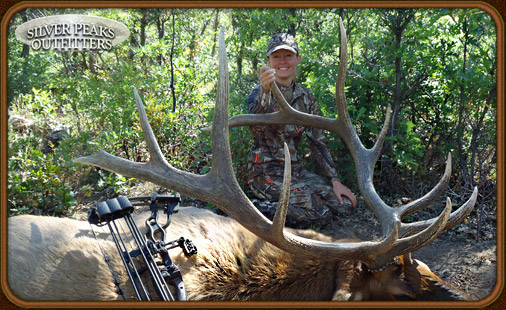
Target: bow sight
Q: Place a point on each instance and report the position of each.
(146, 253)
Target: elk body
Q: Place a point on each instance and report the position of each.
(247, 256)
(59, 259)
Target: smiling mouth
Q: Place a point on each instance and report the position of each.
(283, 69)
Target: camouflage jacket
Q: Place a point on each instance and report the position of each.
(267, 152)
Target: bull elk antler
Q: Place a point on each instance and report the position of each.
(220, 187)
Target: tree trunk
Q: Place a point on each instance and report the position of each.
(215, 29)
(160, 27)
(144, 23)
(461, 120)
(397, 24)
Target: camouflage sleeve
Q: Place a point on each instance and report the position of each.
(319, 149)
(258, 101)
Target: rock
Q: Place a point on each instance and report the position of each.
(54, 138)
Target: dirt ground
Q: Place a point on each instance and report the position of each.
(469, 265)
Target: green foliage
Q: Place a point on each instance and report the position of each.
(438, 73)
(44, 184)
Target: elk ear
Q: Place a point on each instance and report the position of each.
(406, 260)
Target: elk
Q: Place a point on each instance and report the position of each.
(245, 256)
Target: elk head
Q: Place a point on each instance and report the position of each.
(220, 187)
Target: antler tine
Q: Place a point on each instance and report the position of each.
(153, 147)
(424, 237)
(365, 159)
(278, 223)
(220, 137)
(227, 194)
(455, 218)
(428, 198)
(157, 170)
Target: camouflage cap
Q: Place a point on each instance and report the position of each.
(282, 41)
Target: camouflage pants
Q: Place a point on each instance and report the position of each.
(312, 200)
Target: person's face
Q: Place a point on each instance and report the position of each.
(285, 64)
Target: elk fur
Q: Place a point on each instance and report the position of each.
(59, 259)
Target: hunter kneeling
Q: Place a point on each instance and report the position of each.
(313, 199)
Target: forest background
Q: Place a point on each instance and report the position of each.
(435, 67)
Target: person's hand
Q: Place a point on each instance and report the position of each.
(340, 190)
(267, 76)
